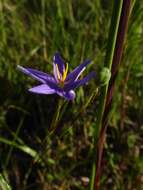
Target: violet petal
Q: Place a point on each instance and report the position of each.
(39, 75)
(74, 75)
(60, 63)
(42, 89)
(73, 85)
(69, 95)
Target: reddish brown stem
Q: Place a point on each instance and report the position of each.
(126, 9)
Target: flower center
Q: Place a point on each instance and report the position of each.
(62, 77)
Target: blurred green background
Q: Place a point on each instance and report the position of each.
(31, 31)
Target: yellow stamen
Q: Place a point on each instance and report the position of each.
(58, 72)
(65, 73)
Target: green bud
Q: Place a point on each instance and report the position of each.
(105, 76)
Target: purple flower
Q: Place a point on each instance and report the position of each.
(61, 83)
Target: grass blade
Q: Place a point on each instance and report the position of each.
(4, 184)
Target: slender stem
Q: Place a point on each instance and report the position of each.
(108, 63)
(56, 117)
(87, 103)
(14, 140)
(83, 108)
(109, 58)
(44, 28)
(2, 21)
(126, 10)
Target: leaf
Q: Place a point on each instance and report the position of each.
(4, 184)
(23, 148)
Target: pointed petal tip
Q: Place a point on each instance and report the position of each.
(60, 64)
(75, 74)
(72, 85)
(56, 55)
(19, 67)
(23, 69)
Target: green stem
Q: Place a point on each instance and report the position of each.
(44, 29)
(56, 117)
(87, 103)
(103, 93)
(14, 140)
(22, 147)
(83, 108)
(2, 24)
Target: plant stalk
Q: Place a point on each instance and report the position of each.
(94, 184)
(56, 117)
(122, 30)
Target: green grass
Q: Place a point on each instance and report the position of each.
(31, 31)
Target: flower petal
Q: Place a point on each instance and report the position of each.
(57, 60)
(39, 75)
(69, 95)
(42, 89)
(73, 85)
(74, 75)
